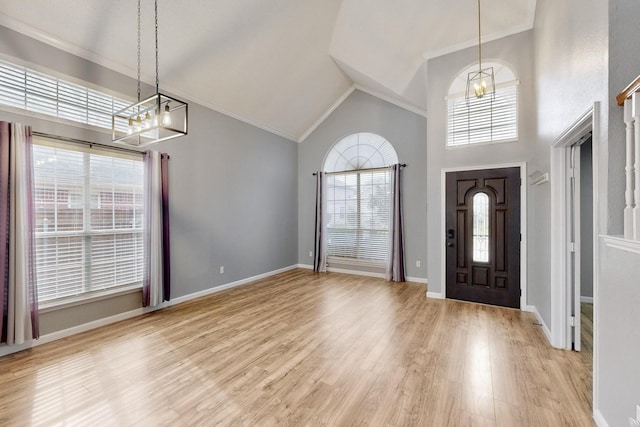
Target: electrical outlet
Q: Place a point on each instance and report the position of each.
(221, 270)
(311, 253)
(417, 263)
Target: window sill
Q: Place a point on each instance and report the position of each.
(619, 242)
(67, 302)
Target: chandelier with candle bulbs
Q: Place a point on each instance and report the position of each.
(159, 117)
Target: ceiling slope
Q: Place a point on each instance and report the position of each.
(281, 65)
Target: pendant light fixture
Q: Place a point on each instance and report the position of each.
(480, 83)
(157, 118)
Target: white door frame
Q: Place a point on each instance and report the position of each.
(523, 224)
(560, 291)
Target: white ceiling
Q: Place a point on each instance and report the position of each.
(281, 65)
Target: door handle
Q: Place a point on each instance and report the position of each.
(450, 245)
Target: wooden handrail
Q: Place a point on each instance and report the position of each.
(633, 87)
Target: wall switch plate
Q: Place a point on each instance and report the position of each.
(221, 270)
(417, 263)
(310, 253)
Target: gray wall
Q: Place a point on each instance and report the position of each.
(233, 190)
(586, 220)
(570, 55)
(406, 131)
(618, 295)
(618, 335)
(587, 45)
(516, 52)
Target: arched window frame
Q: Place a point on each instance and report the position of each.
(486, 120)
(358, 190)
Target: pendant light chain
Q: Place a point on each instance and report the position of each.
(157, 60)
(479, 40)
(138, 50)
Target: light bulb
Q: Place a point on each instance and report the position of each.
(130, 127)
(147, 120)
(480, 89)
(138, 125)
(156, 113)
(166, 116)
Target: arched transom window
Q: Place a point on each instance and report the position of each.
(363, 150)
(359, 199)
(486, 119)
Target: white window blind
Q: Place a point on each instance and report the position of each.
(358, 208)
(88, 207)
(485, 119)
(23, 88)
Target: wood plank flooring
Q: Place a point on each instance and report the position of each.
(304, 349)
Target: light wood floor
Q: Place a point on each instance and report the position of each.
(304, 349)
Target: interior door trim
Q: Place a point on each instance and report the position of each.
(524, 306)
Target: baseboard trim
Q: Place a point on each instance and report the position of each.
(545, 329)
(54, 336)
(599, 419)
(435, 295)
(586, 300)
(362, 273)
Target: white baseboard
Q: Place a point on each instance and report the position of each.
(362, 273)
(545, 329)
(586, 300)
(435, 295)
(5, 350)
(599, 419)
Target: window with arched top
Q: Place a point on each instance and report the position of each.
(359, 199)
(486, 119)
(480, 203)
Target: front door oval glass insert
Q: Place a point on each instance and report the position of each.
(481, 227)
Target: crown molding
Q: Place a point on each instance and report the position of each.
(391, 100)
(473, 43)
(327, 113)
(55, 42)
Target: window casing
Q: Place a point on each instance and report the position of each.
(358, 199)
(89, 219)
(27, 89)
(487, 119)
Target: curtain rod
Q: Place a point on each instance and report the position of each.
(404, 165)
(90, 144)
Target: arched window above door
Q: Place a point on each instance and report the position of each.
(486, 119)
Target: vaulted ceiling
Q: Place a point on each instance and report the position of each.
(281, 65)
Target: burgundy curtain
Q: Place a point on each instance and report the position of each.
(395, 267)
(157, 270)
(18, 291)
(320, 238)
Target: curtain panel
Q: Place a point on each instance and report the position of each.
(395, 267)
(156, 286)
(320, 238)
(18, 290)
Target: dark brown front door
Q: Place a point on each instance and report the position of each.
(483, 236)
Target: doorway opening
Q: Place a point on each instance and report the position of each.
(574, 154)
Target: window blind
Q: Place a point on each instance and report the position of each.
(27, 89)
(88, 208)
(358, 215)
(483, 119)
